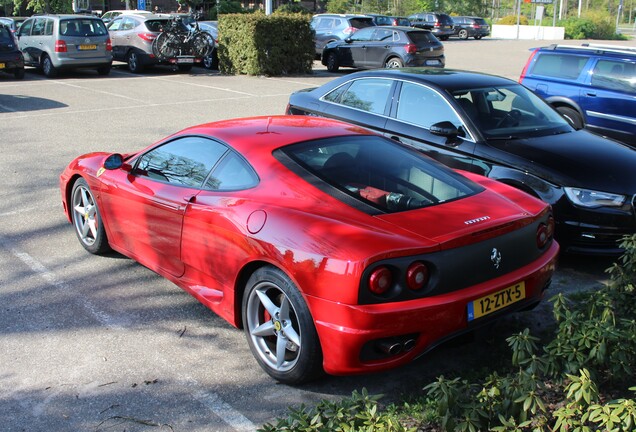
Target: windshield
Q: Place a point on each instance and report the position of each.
(510, 111)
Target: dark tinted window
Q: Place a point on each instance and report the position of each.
(232, 173)
(380, 173)
(559, 65)
(445, 19)
(422, 38)
(184, 161)
(424, 107)
(155, 25)
(386, 35)
(365, 94)
(361, 22)
(480, 21)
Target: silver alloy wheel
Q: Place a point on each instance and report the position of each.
(85, 217)
(463, 34)
(393, 63)
(273, 327)
(48, 68)
(133, 62)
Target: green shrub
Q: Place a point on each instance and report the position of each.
(257, 44)
(592, 25)
(512, 20)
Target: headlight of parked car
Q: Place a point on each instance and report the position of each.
(593, 199)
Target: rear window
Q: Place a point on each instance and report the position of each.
(445, 19)
(156, 25)
(421, 38)
(374, 171)
(82, 27)
(361, 22)
(564, 66)
(5, 35)
(481, 21)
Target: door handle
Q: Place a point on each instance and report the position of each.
(593, 94)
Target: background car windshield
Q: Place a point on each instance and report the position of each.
(510, 110)
(381, 173)
(83, 27)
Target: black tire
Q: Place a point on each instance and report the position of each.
(394, 63)
(87, 219)
(477, 37)
(443, 38)
(332, 62)
(202, 45)
(572, 116)
(104, 70)
(49, 70)
(19, 73)
(134, 62)
(211, 61)
(279, 328)
(463, 34)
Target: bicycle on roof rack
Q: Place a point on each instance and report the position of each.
(183, 43)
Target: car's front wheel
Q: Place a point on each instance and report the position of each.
(463, 34)
(87, 219)
(47, 67)
(393, 63)
(279, 328)
(332, 62)
(572, 116)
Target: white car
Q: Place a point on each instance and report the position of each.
(108, 16)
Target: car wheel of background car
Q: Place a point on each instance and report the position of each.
(211, 61)
(571, 116)
(104, 70)
(279, 328)
(443, 38)
(478, 37)
(87, 219)
(18, 74)
(134, 63)
(393, 63)
(47, 67)
(332, 62)
(463, 34)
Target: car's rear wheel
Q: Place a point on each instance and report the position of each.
(279, 328)
(134, 62)
(463, 34)
(47, 67)
(332, 62)
(87, 219)
(393, 63)
(478, 37)
(211, 61)
(572, 116)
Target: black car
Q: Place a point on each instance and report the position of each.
(11, 59)
(385, 46)
(13, 23)
(495, 127)
(440, 24)
(470, 26)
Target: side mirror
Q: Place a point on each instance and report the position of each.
(114, 161)
(445, 128)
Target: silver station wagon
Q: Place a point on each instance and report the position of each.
(56, 42)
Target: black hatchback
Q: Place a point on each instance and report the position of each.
(385, 46)
(498, 128)
(11, 59)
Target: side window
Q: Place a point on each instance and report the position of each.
(38, 27)
(559, 65)
(368, 95)
(614, 75)
(383, 35)
(232, 173)
(48, 29)
(115, 25)
(128, 24)
(25, 28)
(184, 162)
(424, 107)
(365, 34)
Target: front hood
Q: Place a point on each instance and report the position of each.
(463, 221)
(575, 159)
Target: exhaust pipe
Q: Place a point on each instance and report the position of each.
(390, 347)
(409, 345)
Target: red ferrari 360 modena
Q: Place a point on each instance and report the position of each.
(336, 249)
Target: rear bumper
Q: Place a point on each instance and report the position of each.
(70, 63)
(353, 336)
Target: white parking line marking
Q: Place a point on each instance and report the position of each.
(99, 91)
(224, 411)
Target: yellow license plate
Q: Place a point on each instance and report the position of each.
(2, 66)
(495, 301)
(87, 47)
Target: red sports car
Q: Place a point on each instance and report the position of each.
(336, 249)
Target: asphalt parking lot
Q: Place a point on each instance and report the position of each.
(103, 344)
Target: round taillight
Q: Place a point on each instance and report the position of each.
(380, 280)
(545, 232)
(550, 227)
(417, 276)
